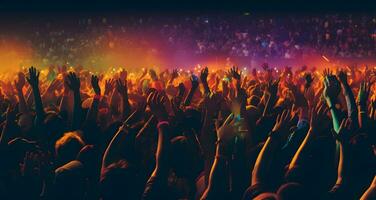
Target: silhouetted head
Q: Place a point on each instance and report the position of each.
(68, 146)
(292, 191)
(70, 181)
(119, 181)
(186, 159)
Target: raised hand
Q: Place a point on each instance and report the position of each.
(231, 128)
(122, 87)
(204, 74)
(20, 82)
(281, 126)
(73, 82)
(177, 100)
(364, 91)
(235, 73)
(181, 90)
(156, 102)
(331, 86)
(327, 72)
(33, 78)
(318, 116)
(342, 76)
(95, 85)
(272, 87)
(299, 99)
(123, 74)
(108, 86)
(308, 80)
(194, 81)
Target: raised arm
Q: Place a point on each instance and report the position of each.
(33, 80)
(236, 74)
(112, 152)
(219, 178)
(66, 102)
(316, 121)
(204, 79)
(157, 183)
(343, 137)
(364, 91)
(267, 153)
(122, 88)
(194, 81)
(19, 84)
(73, 83)
(352, 110)
(93, 111)
(271, 93)
(331, 91)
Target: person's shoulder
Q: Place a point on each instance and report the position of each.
(73, 165)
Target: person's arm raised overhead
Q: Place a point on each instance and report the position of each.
(316, 121)
(364, 91)
(349, 96)
(279, 132)
(66, 101)
(188, 99)
(271, 93)
(108, 88)
(219, 180)
(33, 80)
(236, 74)
(19, 85)
(343, 137)
(331, 91)
(122, 88)
(73, 82)
(157, 183)
(92, 114)
(112, 153)
(204, 79)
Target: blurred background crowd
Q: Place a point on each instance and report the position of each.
(89, 39)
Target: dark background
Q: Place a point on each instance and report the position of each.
(190, 5)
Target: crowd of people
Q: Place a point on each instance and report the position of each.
(242, 35)
(223, 134)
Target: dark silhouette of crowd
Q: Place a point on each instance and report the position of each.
(228, 134)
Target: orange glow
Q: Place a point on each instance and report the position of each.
(13, 56)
